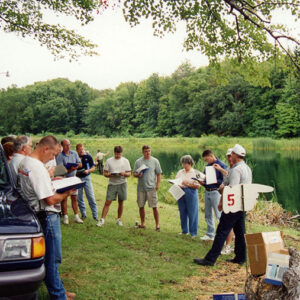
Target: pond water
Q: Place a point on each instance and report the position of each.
(275, 168)
(278, 169)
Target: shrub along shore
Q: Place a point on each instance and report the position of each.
(170, 143)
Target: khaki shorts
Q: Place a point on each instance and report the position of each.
(150, 196)
(119, 190)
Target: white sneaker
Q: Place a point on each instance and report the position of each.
(206, 238)
(100, 223)
(78, 220)
(226, 250)
(119, 222)
(66, 220)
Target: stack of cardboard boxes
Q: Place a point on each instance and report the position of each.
(267, 255)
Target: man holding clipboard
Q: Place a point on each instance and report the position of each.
(35, 185)
(214, 179)
(72, 162)
(117, 169)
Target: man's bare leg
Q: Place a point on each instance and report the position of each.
(64, 206)
(120, 208)
(74, 204)
(229, 238)
(156, 216)
(142, 216)
(106, 208)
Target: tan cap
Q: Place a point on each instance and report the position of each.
(239, 150)
(229, 151)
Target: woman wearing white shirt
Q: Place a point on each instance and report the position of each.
(188, 203)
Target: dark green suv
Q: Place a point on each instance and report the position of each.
(22, 244)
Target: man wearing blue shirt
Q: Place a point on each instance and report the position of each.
(88, 167)
(212, 195)
(68, 156)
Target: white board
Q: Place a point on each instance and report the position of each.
(232, 196)
(211, 175)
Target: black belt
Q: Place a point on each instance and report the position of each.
(50, 213)
(210, 190)
(42, 214)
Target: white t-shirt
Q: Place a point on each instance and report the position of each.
(240, 173)
(113, 165)
(99, 155)
(35, 183)
(51, 163)
(14, 164)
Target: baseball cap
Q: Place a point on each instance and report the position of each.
(229, 151)
(239, 150)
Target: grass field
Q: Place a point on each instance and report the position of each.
(115, 262)
(178, 143)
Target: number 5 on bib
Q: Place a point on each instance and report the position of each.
(232, 196)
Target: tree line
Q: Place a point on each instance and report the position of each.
(190, 102)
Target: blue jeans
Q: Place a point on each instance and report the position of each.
(52, 233)
(227, 222)
(89, 193)
(188, 209)
(211, 199)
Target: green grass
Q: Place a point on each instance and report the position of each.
(126, 263)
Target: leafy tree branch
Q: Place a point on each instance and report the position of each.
(26, 19)
(222, 28)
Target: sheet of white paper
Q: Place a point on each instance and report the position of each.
(176, 191)
(211, 176)
(142, 168)
(177, 181)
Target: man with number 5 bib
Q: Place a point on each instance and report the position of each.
(240, 174)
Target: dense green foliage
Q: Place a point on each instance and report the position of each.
(188, 103)
(239, 29)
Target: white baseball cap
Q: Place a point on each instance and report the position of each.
(229, 151)
(239, 150)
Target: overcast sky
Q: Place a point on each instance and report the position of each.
(126, 54)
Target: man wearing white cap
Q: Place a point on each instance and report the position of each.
(240, 173)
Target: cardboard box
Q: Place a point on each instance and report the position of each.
(277, 265)
(259, 245)
(229, 296)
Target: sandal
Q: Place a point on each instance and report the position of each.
(157, 229)
(140, 226)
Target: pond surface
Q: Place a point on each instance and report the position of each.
(279, 169)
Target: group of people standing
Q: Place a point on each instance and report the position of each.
(33, 172)
(117, 169)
